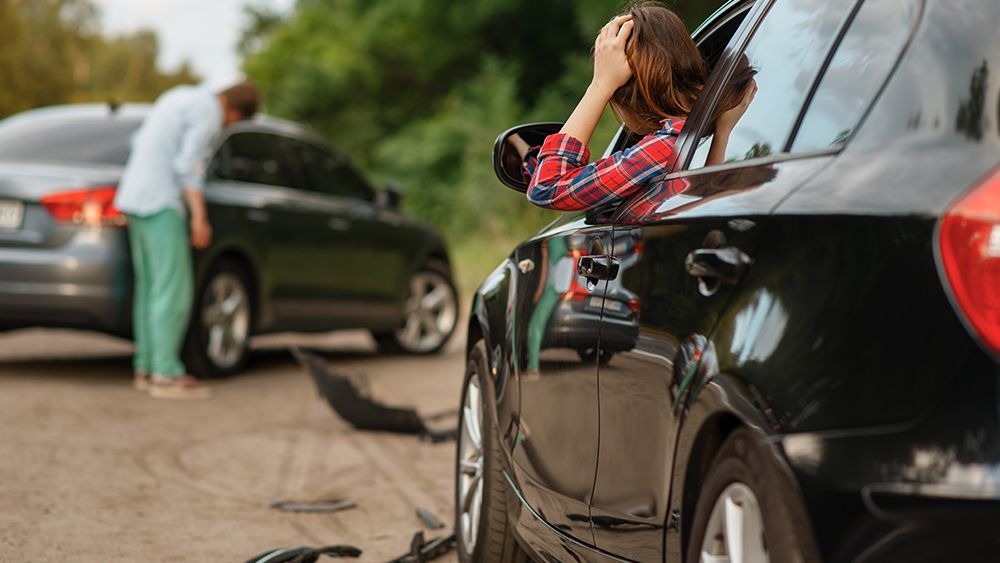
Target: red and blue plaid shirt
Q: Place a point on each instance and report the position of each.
(563, 180)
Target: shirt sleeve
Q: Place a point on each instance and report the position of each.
(563, 180)
(195, 148)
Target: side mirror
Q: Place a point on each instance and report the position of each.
(390, 198)
(512, 146)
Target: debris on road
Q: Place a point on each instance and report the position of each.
(312, 506)
(421, 551)
(360, 410)
(305, 554)
(429, 520)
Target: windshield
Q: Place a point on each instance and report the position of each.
(73, 140)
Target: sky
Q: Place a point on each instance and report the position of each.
(204, 32)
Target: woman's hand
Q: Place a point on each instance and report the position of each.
(729, 118)
(611, 66)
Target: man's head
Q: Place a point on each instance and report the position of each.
(239, 102)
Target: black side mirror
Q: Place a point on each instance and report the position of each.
(512, 146)
(390, 198)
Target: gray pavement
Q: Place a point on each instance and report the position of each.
(91, 470)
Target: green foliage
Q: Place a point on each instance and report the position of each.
(51, 51)
(416, 91)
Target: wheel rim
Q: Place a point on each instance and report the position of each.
(429, 315)
(226, 319)
(470, 465)
(735, 531)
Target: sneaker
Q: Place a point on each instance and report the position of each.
(140, 381)
(184, 387)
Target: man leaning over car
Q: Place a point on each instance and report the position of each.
(165, 170)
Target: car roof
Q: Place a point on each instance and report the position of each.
(137, 111)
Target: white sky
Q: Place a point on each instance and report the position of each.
(204, 32)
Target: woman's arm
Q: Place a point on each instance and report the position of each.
(611, 72)
(725, 125)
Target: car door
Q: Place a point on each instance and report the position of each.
(261, 170)
(367, 250)
(683, 256)
(556, 321)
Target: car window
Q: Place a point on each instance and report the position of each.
(259, 158)
(326, 173)
(787, 51)
(104, 140)
(865, 57)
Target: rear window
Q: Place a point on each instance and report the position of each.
(98, 140)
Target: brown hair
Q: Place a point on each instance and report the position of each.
(668, 71)
(243, 97)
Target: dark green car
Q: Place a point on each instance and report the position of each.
(302, 242)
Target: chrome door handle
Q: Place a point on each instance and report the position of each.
(338, 224)
(717, 265)
(258, 216)
(596, 268)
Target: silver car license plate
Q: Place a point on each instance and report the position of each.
(11, 214)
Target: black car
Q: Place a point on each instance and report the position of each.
(815, 373)
(302, 242)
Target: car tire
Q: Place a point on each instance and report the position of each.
(745, 478)
(218, 338)
(428, 321)
(481, 521)
(589, 355)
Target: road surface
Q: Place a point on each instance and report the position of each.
(91, 470)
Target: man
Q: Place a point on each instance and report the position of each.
(165, 171)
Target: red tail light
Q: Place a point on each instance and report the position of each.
(576, 292)
(969, 245)
(91, 206)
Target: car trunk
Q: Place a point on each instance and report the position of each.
(25, 188)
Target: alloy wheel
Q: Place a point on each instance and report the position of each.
(226, 319)
(735, 531)
(430, 313)
(471, 465)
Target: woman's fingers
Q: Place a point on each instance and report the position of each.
(612, 28)
(625, 31)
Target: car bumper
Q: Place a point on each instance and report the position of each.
(572, 327)
(84, 283)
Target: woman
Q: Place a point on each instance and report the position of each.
(651, 72)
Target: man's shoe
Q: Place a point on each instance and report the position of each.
(184, 387)
(140, 381)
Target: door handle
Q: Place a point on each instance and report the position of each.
(596, 268)
(726, 265)
(338, 224)
(258, 216)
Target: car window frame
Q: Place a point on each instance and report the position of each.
(298, 181)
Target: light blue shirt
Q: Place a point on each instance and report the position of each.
(170, 151)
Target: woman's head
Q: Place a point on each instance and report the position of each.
(668, 71)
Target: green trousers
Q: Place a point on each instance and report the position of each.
(163, 291)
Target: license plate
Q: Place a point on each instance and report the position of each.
(11, 214)
(596, 302)
(614, 306)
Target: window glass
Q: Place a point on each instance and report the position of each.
(259, 158)
(787, 51)
(861, 65)
(105, 140)
(325, 172)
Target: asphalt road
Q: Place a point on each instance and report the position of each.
(91, 470)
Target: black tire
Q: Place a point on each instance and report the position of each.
(389, 342)
(588, 355)
(197, 358)
(495, 541)
(745, 458)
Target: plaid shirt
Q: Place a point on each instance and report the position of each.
(563, 180)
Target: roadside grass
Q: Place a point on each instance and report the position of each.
(473, 258)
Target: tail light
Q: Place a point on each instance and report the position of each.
(969, 246)
(92, 207)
